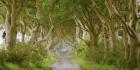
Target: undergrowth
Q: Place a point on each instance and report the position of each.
(24, 57)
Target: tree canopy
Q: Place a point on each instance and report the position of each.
(98, 24)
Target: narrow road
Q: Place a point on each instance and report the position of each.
(65, 62)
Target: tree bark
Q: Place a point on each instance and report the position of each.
(133, 61)
(126, 45)
(10, 23)
(93, 43)
(23, 31)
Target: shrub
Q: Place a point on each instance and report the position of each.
(24, 57)
(101, 58)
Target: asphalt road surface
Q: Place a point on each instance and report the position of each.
(65, 63)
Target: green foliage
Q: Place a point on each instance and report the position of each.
(38, 55)
(24, 57)
(101, 58)
(2, 11)
(90, 65)
(19, 55)
(62, 14)
(9, 66)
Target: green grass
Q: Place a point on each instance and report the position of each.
(43, 65)
(90, 65)
(23, 58)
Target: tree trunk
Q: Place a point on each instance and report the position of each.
(10, 23)
(133, 61)
(112, 36)
(126, 45)
(93, 43)
(110, 39)
(7, 27)
(34, 35)
(23, 30)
